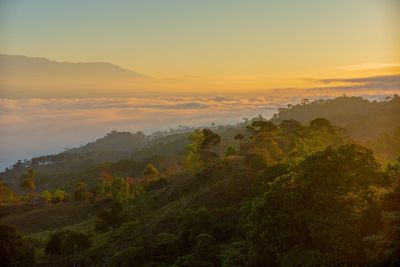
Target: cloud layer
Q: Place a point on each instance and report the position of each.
(35, 126)
(384, 82)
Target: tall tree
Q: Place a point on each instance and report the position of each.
(29, 181)
(200, 152)
(81, 192)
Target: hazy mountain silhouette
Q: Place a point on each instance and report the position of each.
(17, 65)
(23, 76)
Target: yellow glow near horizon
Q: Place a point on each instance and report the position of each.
(209, 46)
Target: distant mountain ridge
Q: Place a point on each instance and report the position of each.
(22, 77)
(14, 64)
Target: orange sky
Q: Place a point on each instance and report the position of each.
(226, 46)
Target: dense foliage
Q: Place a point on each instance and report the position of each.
(275, 192)
(14, 250)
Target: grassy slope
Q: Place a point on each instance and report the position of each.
(40, 218)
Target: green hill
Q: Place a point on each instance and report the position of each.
(277, 192)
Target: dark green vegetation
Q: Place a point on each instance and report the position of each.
(362, 119)
(263, 193)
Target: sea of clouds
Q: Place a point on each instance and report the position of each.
(34, 126)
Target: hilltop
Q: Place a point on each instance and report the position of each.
(362, 119)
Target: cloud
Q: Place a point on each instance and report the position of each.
(34, 126)
(386, 82)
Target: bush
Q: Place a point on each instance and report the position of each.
(113, 217)
(67, 243)
(53, 245)
(75, 242)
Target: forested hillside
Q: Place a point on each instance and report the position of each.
(361, 118)
(305, 188)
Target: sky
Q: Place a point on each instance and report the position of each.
(226, 39)
(205, 61)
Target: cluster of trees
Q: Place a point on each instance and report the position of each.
(319, 201)
(328, 209)
(387, 145)
(263, 143)
(196, 241)
(62, 248)
(120, 192)
(124, 189)
(367, 121)
(107, 187)
(7, 195)
(58, 196)
(319, 212)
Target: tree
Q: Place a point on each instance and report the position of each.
(270, 173)
(231, 151)
(199, 151)
(391, 201)
(313, 216)
(60, 196)
(120, 189)
(192, 223)
(156, 184)
(386, 250)
(46, 196)
(75, 242)
(211, 139)
(150, 172)
(225, 224)
(193, 150)
(14, 251)
(190, 261)
(261, 125)
(7, 195)
(234, 254)
(29, 181)
(113, 217)
(102, 189)
(206, 249)
(29, 184)
(321, 123)
(53, 245)
(164, 248)
(239, 137)
(290, 126)
(255, 161)
(67, 243)
(81, 192)
(1, 190)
